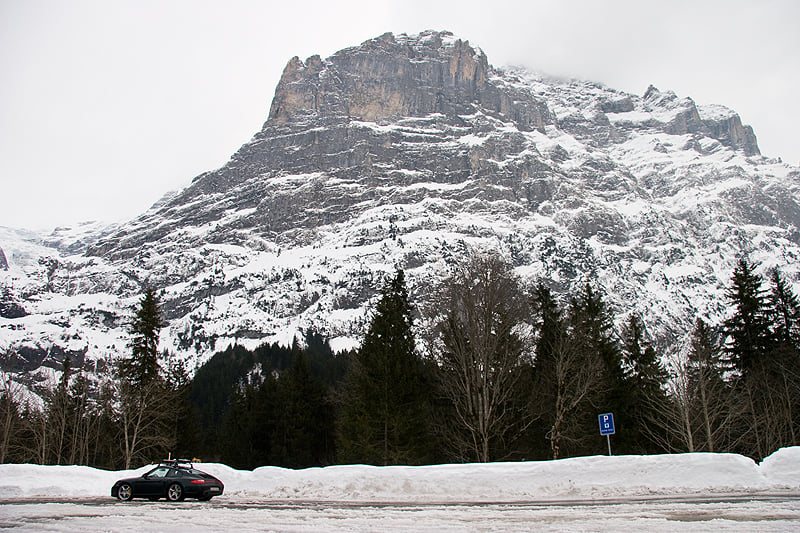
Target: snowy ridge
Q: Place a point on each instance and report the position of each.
(582, 478)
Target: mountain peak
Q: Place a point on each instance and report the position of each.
(384, 77)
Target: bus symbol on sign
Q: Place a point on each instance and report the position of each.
(606, 423)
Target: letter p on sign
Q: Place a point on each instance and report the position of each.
(606, 424)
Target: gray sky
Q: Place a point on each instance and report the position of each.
(106, 105)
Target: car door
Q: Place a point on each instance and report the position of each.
(152, 483)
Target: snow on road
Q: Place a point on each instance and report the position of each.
(686, 492)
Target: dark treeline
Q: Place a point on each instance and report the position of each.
(269, 406)
(505, 372)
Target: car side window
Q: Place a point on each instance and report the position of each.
(159, 472)
(172, 473)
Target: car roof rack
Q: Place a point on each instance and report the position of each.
(177, 462)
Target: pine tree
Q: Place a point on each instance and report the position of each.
(783, 371)
(384, 409)
(248, 425)
(644, 368)
(592, 335)
(593, 326)
(142, 367)
(550, 323)
(767, 399)
(303, 433)
(147, 402)
(748, 328)
(644, 393)
(784, 311)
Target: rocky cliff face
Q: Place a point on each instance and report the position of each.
(392, 77)
(401, 152)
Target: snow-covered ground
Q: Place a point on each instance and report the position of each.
(688, 492)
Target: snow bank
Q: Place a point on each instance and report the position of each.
(25, 481)
(577, 478)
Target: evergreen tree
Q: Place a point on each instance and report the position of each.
(550, 323)
(248, 426)
(303, 433)
(765, 393)
(783, 370)
(147, 402)
(748, 327)
(644, 368)
(142, 367)
(384, 408)
(784, 312)
(57, 412)
(592, 335)
(644, 394)
(83, 421)
(594, 327)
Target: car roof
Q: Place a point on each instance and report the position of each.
(177, 463)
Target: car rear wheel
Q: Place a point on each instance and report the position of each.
(125, 492)
(175, 492)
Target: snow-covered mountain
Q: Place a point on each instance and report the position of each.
(402, 152)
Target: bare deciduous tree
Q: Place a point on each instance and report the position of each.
(485, 343)
(145, 421)
(567, 378)
(9, 414)
(701, 407)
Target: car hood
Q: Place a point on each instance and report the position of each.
(128, 480)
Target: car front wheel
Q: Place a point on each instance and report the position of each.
(125, 492)
(175, 492)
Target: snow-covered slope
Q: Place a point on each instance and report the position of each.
(402, 152)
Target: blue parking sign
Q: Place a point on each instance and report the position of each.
(606, 423)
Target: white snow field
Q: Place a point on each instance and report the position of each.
(682, 492)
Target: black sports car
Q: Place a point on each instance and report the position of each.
(171, 479)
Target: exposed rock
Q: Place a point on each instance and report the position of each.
(726, 126)
(391, 77)
(9, 306)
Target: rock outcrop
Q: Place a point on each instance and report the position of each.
(391, 77)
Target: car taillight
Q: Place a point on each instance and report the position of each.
(199, 481)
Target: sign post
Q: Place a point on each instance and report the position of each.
(606, 421)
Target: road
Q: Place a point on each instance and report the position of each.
(734, 512)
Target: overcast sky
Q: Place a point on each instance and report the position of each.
(106, 105)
